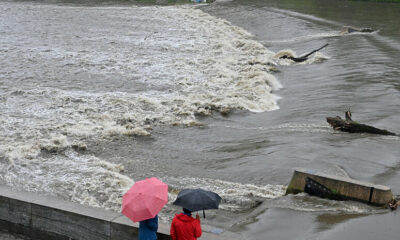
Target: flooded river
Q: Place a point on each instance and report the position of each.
(97, 96)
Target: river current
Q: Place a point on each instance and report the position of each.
(97, 96)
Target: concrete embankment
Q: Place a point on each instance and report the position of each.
(341, 187)
(42, 217)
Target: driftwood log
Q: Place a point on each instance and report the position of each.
(348, 125)
(304, 57)
(353, 29)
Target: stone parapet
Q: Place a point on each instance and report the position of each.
(48, 218)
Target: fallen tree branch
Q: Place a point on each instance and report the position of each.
(348, 125)
(304, 57)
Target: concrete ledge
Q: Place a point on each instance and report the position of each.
(42, 217)
(346, 188)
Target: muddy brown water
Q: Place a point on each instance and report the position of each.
(83, 71)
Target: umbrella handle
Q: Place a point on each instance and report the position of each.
(204, 214)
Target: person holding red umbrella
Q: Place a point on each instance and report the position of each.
(143, 202)
(148, 229)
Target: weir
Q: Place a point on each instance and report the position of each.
(48, 218)
(340, 187)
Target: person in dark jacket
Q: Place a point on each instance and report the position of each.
(148, 229)
(185, 227)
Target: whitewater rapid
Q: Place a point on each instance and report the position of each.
(98, 73)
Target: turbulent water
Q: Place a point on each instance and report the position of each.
(76, 75)
(94, 98)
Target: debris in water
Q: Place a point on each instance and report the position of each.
(348, 125)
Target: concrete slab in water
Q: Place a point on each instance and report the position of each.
(345, 188)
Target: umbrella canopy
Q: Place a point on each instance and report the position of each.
(145, 199)
(197, 199)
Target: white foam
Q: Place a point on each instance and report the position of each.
(187, 61)
(305, 203)
(81, 178)
(235, 196)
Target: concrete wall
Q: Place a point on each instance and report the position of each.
(41, 217)
(345, 187)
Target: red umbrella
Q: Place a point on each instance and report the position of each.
(145, 199)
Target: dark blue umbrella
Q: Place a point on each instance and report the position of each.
(197, 199)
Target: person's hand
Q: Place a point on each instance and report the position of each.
(197, 216)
